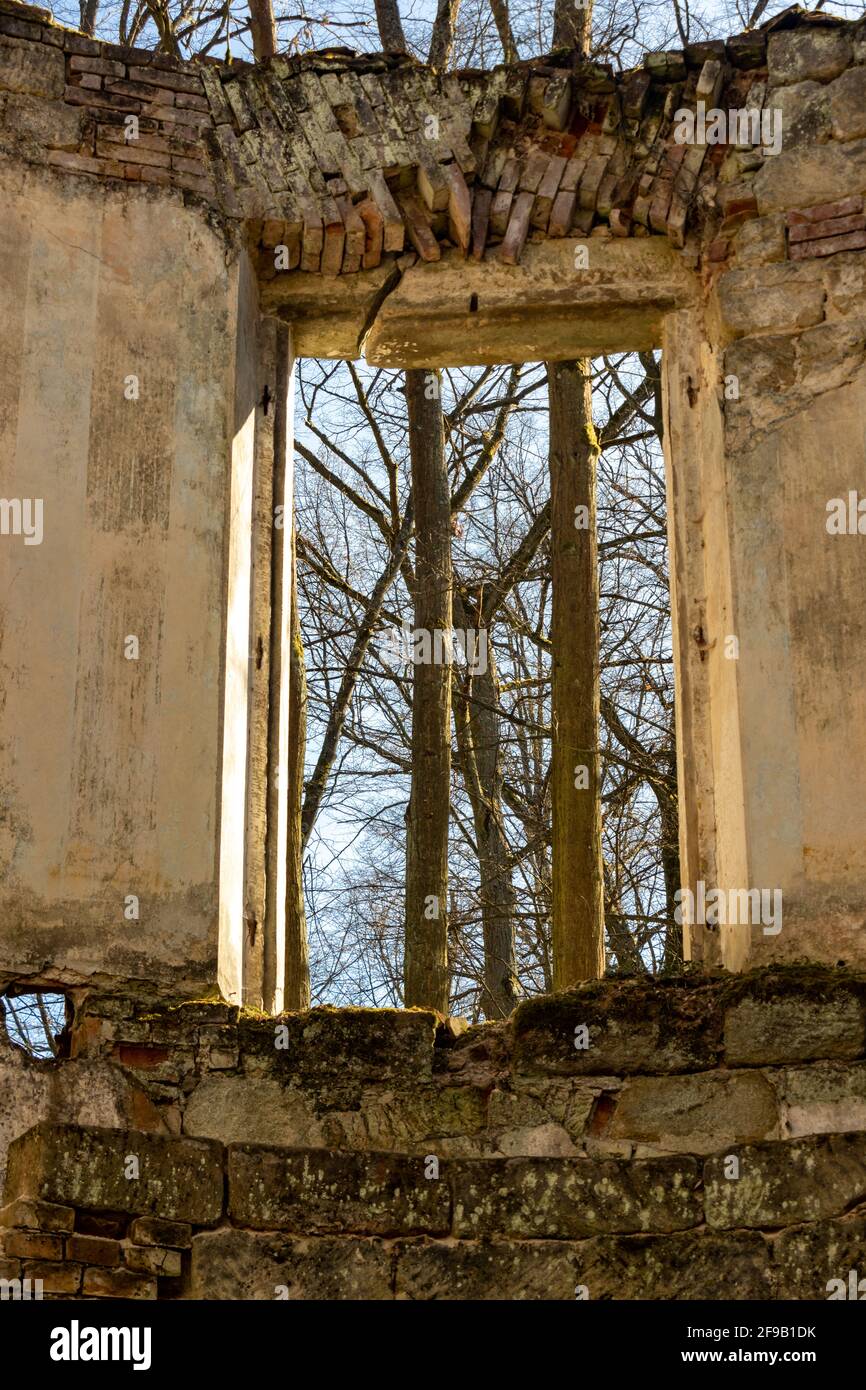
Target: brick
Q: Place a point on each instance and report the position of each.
(161, 176)
(32, 1245)
(835, 226)
(38, 1216)
(93, 1250)
(90, 81)
(84, 164)
(145, 141)
(186, 101)
(56, 1278)
(196, 167)
(153, 1259)
(822, 212)
(149, 1230)
(142, 90)
(809, 250)
(142, 1058)
(174, 81)
(78, 43)
(118, 1283)
(103, 66)
(80, 96)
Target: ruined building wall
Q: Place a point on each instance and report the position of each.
(688, 1139)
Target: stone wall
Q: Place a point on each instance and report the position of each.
(689, 1138)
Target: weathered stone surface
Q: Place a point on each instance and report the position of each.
(252, 1109)
(531, 1198)
(800, 55)
(689, 1266)
(636, 1028)
(807, 1260)
(810, 174)
(770, 299)
(230, 1264)
(31, 68)
(37, 1216)
(826, 1099)
(778, 1185)
(91, 1093)
(150, 1230)
(796, 1029)
(829, 356)
(694, 1114)
(478, 1270)
(761, 241)
(311, 1193)
(342, 1048)
(804, 113)
(180, 1179)
(848, 104)
(37, 123)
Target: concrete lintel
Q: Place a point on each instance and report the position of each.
(458, 312)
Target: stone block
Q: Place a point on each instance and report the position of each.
(518, 1271)
(56, 1278)
(771, 299)
(38, 1216)
(826, 1099)
(93, 1250)
(826, 1022)
(323, 1192)
(634, 1028)
(847, 96)
(763, 366)
(180, 1179)
(812, 1260)
(810, 174)
(229, 1264)
(33, 1245)
(338, 1049)
(761, 241)
(153, 1259)
(809, 53)
(804, 113)
(150, 1230)
(31, 68)
(682, 1267)
(695, 1114)
(118, 1283)
(783, 1184)
(570, 1198)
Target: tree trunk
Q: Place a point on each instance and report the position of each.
(499, 10)
(297, 976)
(479, 741)
(578, 887)
(262, 28)
(391, 34)
(426, 944)
(572, 25)
(88, 10)
(442, 37)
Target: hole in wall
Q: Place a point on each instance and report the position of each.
(473, 304)
(37, 1022)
